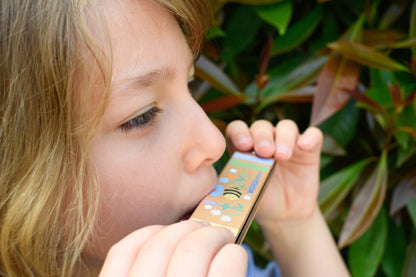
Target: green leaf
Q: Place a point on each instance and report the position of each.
(356, 30)
(240, 32)
(414, 102)
(393, 12)
(302, 95)
(365, 254)
(395, 253)
(365, 55)
(332, 147)
(254, 2)
(298, 32)
(409, 269)
(342, 125)
(404, 155)
(336, 187)
(304, 74)
(378, 90)
(210, 72)
(412, 27)
(382, 39)
(410, 43)
(278, 14)
(411, 209)
(294, 86)
(366, 204)
(214, 32)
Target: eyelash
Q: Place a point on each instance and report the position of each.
(143, 121)
(147, 119)
(192, 86)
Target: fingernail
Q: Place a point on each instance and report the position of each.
(243, 140)
(264, 143)
(206, 223)
(203, 222)
(282, 149)
(305, 142)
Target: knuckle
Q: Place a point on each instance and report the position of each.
(150, 246)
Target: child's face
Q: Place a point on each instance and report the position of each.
(155, 150)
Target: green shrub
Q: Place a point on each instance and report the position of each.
(348, 67)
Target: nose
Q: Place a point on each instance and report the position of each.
(204, 142)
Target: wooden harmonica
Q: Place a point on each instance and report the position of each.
(234, 201)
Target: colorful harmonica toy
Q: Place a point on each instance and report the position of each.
(234, 201)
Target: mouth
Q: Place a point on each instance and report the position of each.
(187, 215)
(189, 212)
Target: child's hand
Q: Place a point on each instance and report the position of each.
(292, 190)
(187, 248)
(289, 214)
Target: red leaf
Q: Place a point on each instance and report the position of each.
(409, 98)
(409, 130)
(365, 99)
(395, 95)
(338, 75)
(404, 192)
(365, 55)
(265, 55)
(206, 70)
(301, 95)
(366, 205)
(222, 103)
(262, 81)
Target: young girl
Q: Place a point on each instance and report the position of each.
(104, 152)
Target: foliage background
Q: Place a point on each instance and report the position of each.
(348, 67)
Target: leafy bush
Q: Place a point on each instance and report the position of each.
(348, 67)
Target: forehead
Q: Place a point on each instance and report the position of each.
(143, 35)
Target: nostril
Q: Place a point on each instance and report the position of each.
(198, 158)
(206, 143)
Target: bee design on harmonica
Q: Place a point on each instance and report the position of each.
(232, 193)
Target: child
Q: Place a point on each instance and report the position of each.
(104, 153)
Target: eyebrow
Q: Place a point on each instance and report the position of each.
(147, 80)
(155, 76)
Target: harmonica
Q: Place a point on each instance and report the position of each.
(234, 202)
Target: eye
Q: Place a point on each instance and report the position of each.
(192, 85)
(142, 121)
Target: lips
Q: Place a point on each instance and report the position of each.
(187, 215)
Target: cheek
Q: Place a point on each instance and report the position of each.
(134, 186)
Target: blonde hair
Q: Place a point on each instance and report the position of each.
(48, 192)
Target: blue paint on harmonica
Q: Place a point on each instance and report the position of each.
(252, 158)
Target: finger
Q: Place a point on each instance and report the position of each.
(194, 254)
(122, 255)
(231, 261)
(154, 256)
(287, 133)
(311, 140)
(262, 132)
(238, 136)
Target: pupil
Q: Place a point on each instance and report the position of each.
(143, 119)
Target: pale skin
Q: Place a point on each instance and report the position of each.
(154, 154)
